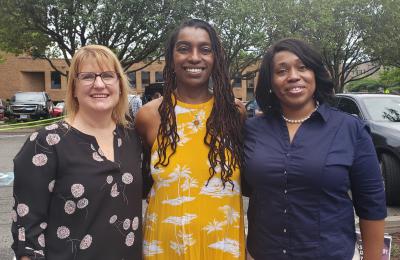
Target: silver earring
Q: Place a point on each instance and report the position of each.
(210, 84)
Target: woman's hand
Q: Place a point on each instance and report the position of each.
(248, 256)
(25, 258)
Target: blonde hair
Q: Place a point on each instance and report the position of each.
(103, 56)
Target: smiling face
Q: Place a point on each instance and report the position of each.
(98, 97)
(292, 82)
(193, 58)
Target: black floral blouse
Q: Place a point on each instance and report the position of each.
(73, 203)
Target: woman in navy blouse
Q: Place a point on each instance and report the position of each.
(302, 157)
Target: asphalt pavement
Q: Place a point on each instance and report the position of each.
(10, 144)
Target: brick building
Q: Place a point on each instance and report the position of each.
(22, 73)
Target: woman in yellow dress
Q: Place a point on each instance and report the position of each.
(195, 145)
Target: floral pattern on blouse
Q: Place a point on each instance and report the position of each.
(71, 202)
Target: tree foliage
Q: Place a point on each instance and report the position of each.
(365, 85)
(336, 29)
(390, 77)
(348, 33)
(135, 30)
(242, 27)
(388, 80)
(16, 36)
(383, 36)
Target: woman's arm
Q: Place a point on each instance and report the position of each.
(368, 194)
(372, 238)
(147, 122)
(35, 171)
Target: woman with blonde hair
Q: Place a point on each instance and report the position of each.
(78, 185)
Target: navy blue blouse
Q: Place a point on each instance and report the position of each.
(300, 206)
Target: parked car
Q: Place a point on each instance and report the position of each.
(2, 109)
(382, 114)
(30, 105)
(58, 109)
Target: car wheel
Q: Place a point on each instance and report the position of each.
(391, 174)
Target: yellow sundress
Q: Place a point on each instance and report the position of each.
(185, 218)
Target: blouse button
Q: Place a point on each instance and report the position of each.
(285, 211)
(284, 251)
(284, 230)
(285, 172)
(285, 191)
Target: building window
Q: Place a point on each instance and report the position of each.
(145, 78)
(237, 81)
(250, 89)
(159, 76)
(55, 80)
(132, 79)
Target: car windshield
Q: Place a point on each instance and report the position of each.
(28, 96)
(383, 108)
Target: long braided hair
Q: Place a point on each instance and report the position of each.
(223, 127)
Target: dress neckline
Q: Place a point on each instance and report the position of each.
(86, 136)
(196, 106)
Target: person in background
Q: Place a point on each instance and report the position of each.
(78, 185)
(135, 104)
(257, 110)
(302, 157)
(194, 134)
(156, 95)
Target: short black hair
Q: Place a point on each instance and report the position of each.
(265, 97)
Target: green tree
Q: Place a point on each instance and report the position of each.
(390, 78)
(383, 37)
(242, 27)
(364, 85)
(134, 29)
(16, 37)
(336, 28)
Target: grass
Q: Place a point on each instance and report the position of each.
(395, 252)
(15, 124)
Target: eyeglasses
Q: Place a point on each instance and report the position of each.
(88, 78)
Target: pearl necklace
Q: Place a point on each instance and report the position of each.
(300, 121)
